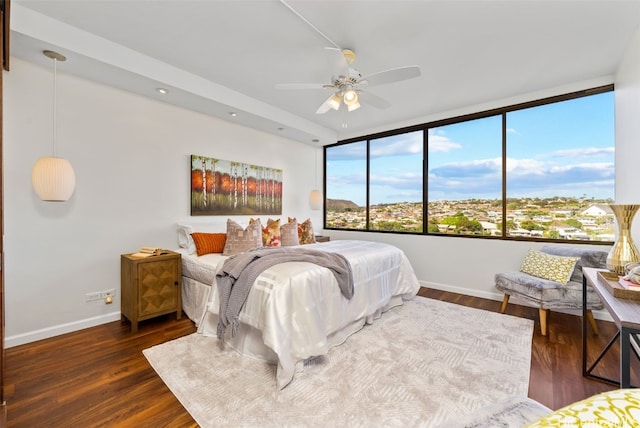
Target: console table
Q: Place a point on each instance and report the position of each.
(626, 316)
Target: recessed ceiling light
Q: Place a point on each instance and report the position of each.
(315, 140)
(233, 113)
(163, 91)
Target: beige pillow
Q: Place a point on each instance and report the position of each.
(240, 240)
(547, 266)
(289, 233)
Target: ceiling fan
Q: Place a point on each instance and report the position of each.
(348, 83)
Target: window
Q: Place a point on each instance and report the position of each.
(540, 170)
(465, 177)
(395, 183)
(560, 163)
(346, 186)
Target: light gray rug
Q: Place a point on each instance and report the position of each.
(417, 365)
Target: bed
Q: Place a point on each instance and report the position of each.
(295, 310)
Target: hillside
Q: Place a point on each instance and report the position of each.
(341, 205)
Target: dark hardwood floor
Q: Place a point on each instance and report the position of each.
(99, 377)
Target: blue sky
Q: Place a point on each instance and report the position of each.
(560, 149)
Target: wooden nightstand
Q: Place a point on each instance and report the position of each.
(150, 287)
(320, 238)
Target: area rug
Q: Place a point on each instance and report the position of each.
(418, 365)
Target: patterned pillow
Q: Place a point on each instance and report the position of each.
(207, 243)
(547, 266)
(618, 408)
(271, 234)
(305, 232)
(240, 240)
(289, 234)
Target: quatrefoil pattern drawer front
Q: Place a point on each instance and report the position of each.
(157, 287)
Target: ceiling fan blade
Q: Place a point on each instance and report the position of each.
(326, 106)
(374, 100)
(300, 86)
(392, 75)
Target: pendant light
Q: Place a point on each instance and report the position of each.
(315, 197)
(52, 177)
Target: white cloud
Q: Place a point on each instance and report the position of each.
(403, 144)
(524, 166)
(584, 152)
(440, 143)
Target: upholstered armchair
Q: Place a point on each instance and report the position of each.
(550, 294)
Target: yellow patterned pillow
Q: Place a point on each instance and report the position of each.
(547, 266)
(619, 408)
(305, 231)
(271, 233)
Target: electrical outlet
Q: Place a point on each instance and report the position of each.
(100, 295)
(89, 297)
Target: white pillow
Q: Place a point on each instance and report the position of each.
(184, 235)
(186, 229)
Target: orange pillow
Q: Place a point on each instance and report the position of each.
(209, 242)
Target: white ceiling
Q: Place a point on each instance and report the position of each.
(220, 56)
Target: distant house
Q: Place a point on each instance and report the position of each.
(597, 210)
(573, 233)
(491, 228)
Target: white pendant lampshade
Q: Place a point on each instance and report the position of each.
(53, 179)
(315, 199)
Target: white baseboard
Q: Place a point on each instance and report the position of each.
(56, 330)
(601, 314)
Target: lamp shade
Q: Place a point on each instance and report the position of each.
(315, 199)
(334, 102)
(350, 97)
(53, 179)
(353, 106)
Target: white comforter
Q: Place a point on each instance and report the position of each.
(295, 310)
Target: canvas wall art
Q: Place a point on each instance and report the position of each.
(222, 187)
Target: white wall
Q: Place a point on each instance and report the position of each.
(628, 126)
(131, 157)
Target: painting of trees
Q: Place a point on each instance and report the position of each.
(221, 187)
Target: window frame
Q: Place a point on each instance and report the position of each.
(425, 127)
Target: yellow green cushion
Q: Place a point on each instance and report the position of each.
(547, 266)
(619, 408)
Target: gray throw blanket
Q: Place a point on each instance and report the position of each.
(239, 272)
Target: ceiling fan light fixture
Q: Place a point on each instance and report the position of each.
(350, 97)
(334, 101)
(353, 106)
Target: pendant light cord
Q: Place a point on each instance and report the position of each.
(55, 79)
